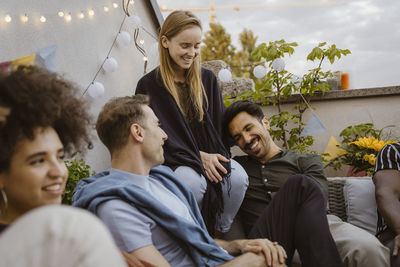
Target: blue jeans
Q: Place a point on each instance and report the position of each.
(232, 201)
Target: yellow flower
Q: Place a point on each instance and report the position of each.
(372, 160)
(366, 157)
(378, 146)
(371, 142)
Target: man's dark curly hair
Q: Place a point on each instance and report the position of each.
(31, 97)
(232, 111)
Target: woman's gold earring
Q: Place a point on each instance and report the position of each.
(4, 206)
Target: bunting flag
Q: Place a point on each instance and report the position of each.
(333, 149)
(47, 58)
(314, 125)
(44, 58)
(27, 61)
(5, 66)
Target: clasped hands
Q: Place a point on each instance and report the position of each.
(275, 254)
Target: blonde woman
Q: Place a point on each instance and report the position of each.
(187, 100)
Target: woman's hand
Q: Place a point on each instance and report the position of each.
(211, 163)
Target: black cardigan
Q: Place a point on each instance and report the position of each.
(182, 148)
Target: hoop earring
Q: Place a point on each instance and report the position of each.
(4, 207)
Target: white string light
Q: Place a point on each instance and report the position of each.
(24, 18)
(225, 75)
(110, 65)
(123, 38)
(90, 12)
(68, 17)
(96, 89)
(7, 18)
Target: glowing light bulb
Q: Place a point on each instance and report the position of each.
(145, 58)
(61, 14)
(81, 15)
(141, 41)
(24, 18)
(106, 9)
(115, 5)
(68, 17)
(7, 18)
(91, 12)
(42, 19)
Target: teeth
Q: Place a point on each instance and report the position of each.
(255, 143)
(53, 187)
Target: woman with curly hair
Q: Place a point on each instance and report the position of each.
(41, 120)
(187, 100)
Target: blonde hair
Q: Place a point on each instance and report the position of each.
(175, 23)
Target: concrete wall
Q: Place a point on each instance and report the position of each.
(82, 45)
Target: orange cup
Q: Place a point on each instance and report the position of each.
(344, 81)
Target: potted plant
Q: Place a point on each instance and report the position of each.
(361, 144)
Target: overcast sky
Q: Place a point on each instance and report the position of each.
(369, 28)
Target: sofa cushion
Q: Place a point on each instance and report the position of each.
(359, 195)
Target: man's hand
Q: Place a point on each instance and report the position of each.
(273, 252)
(211, 163)
(396, 245)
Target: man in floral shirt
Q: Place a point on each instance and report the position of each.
(387, 191)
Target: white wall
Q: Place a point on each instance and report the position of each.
(82, 45)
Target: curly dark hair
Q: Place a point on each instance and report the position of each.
(32, 97)
(232, 111)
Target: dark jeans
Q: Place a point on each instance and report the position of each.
(296, 219)
(386, 238)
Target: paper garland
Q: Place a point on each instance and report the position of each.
(44, 58)
(314, 125)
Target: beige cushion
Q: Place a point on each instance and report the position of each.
(359, 195)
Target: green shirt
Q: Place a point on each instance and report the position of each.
(266, 179)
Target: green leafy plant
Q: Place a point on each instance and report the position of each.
(77, 170)
(279, 84)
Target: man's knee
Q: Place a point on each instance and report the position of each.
(301, 180)
(358, 247)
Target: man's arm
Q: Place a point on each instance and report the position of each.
(151, 255)
(387, 193)
(311, 165)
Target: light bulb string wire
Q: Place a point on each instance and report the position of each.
(108, 54)
(138, 47)
(125, 7)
